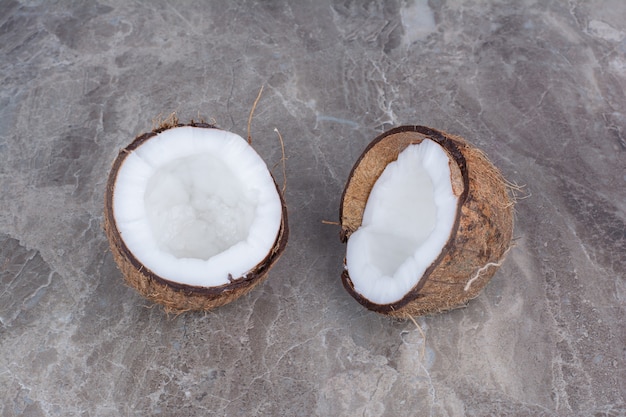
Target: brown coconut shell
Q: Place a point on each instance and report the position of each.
(479, 239)
(176, 297)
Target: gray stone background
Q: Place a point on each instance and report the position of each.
(538, 85)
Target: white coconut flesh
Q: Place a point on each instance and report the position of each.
(407, 221)
(197, 206)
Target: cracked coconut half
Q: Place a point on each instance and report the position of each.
(193, 216)
(427, 220)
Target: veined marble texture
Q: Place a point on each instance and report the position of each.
(538, 85)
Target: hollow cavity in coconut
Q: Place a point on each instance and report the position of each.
(193, 216)
(427, 220)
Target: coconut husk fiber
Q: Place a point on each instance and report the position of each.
(480, 237)
(173, 296)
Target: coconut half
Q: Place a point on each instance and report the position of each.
(427, 220)
(193, 216)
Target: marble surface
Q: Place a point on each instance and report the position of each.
(538, 85)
